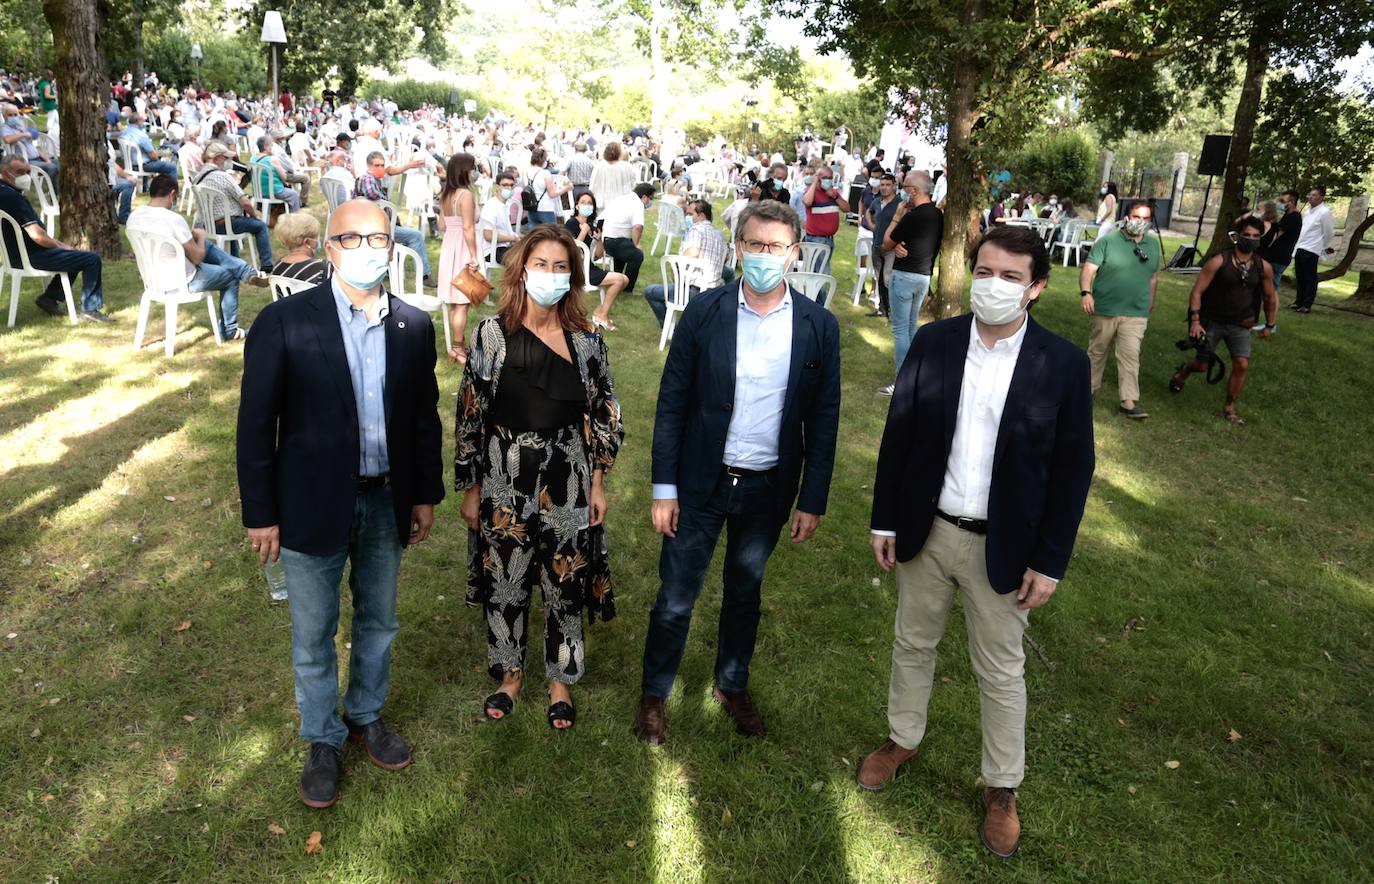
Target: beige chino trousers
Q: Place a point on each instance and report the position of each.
(1127, 332)
(953, 561)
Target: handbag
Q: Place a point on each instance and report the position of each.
(473, 285)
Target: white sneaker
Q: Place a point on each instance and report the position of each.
(887, 391)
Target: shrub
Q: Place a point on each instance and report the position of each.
(1060, 161)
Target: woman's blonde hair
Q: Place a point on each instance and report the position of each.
(294, 228)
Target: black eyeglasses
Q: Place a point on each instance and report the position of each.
(354, 240)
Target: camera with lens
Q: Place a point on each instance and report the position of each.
(1216, 369)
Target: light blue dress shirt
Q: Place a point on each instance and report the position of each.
(136, 136)
(763, 363)
(365, 346)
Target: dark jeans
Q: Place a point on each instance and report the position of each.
(261, 236)
(626, 257)
(71, 262)
(124, 189)
(312, 584)
(875, 264)
(1305, 273)
(747, 508)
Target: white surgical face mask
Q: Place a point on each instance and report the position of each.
(22, 182)
(996, 301)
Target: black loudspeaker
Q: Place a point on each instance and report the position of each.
(754, 127)
(1213, 158)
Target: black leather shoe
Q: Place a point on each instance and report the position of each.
(49, 306)
(386, 749)
(319, 787)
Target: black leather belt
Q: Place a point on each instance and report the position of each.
(977, 526)
(741, 473)
(371, 483)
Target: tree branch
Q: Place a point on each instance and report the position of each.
(1350, 252)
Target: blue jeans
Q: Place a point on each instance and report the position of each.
(71, 262)
(828, 240)
(658, 295)
(125, 190)
(905, 294)
(222, 272)
(374, 550)
(414, 239)
(160, 167)
(748, 509)
(543, 218)
(1278, 274)
(261, 237)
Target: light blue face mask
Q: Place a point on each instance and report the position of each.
(506, 192)
(585, 210)
(903, 196)
(545, 288)
(777, 184)
(807, 179)
(763, 272)
(362, 267)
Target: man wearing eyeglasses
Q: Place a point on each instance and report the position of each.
(748, 413)
(1117, 289)
(339, 462)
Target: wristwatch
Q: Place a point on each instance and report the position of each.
(1083, 293)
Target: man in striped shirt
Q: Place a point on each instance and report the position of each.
(824, 209)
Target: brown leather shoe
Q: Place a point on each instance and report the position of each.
(741, 708)
(1001, 830)
(651, 721)
(881, 765)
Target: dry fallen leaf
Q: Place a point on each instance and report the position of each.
(188, 718)
(725, 815)
(632, 844)
(12, 636)
(1327, 655)
(48, 797)
(275, 829)
(182, 626)
(1131, 789)
(169, 498)
(312, 844)
(1233, 736)
(1172, 765)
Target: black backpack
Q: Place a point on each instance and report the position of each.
(528, 200)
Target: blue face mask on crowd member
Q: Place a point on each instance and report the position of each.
(807, 179)
(777, 184)
(506, 192)
(763, 272)
(362, 267)
(903, 195)
(546, 288)
(585, 210)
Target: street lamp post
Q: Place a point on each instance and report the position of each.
(196, 56)
(273, 32)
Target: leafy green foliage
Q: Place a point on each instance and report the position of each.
(1060, 161)
(25, 41)
(1312, 133)
(413, 93)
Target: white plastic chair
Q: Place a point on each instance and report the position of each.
(669, 228)
(417, 191)
(414, 295)
(335, 194)
(819, 287)
(26, 270)
(212, 207)
(47, 145)
(812, 257)
(131, 158)
(186, 200)
(284, 286)
(47, 199)
(162, 265)
(260, 178)
(586, 252)
(486, 248)
(681, 272)
(304, 166)
(1070, 240)
(863, 253)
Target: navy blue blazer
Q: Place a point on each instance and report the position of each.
(298, 421)
(697, 394)
(1042, 464)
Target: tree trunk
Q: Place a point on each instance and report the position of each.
(1351, 251)
(1242, 137)
(348, 81)
(658, 74)
(88, 205)
(136, 26)
(961, 207)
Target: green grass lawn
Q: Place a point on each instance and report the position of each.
(1218, 614)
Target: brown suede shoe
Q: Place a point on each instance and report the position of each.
(1001, 830)
(741, 708)
(651, 721)
(881, 765)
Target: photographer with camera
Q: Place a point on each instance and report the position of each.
(1224, 306)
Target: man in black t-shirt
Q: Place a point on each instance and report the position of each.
(914, 237)
(1279, 252)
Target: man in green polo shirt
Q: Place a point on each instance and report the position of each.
(1117, 289)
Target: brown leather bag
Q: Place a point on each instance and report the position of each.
(473, 285)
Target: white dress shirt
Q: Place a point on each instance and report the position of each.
(763, 363)
(622, 215)
(1318, 229)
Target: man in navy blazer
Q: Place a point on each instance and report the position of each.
(748, 412)
(982, 477)
(339, 460)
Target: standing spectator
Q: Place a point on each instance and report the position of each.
(735, 445)
(825, 206)
(328, 480)
(613, 177)
(190, 109)
(243, 218)
(1106, 209)
(879, 217)
(547, 189)
(1282, 237)
(956, 513)
(1318, 230)
(580, 169)
(458, 208)
(371, 185)
(913, 238)
(47, 93)
(45, 252)
(1117, 289)
(624, 225)
(133, 134)
(795, 201)
(702, 241)
(18, 135)
(208, 268)
(1224, 306)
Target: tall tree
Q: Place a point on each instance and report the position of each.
(976, 73)
(88, 208)
(676, 32)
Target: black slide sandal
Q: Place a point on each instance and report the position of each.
(562, 711)
(500, 702)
